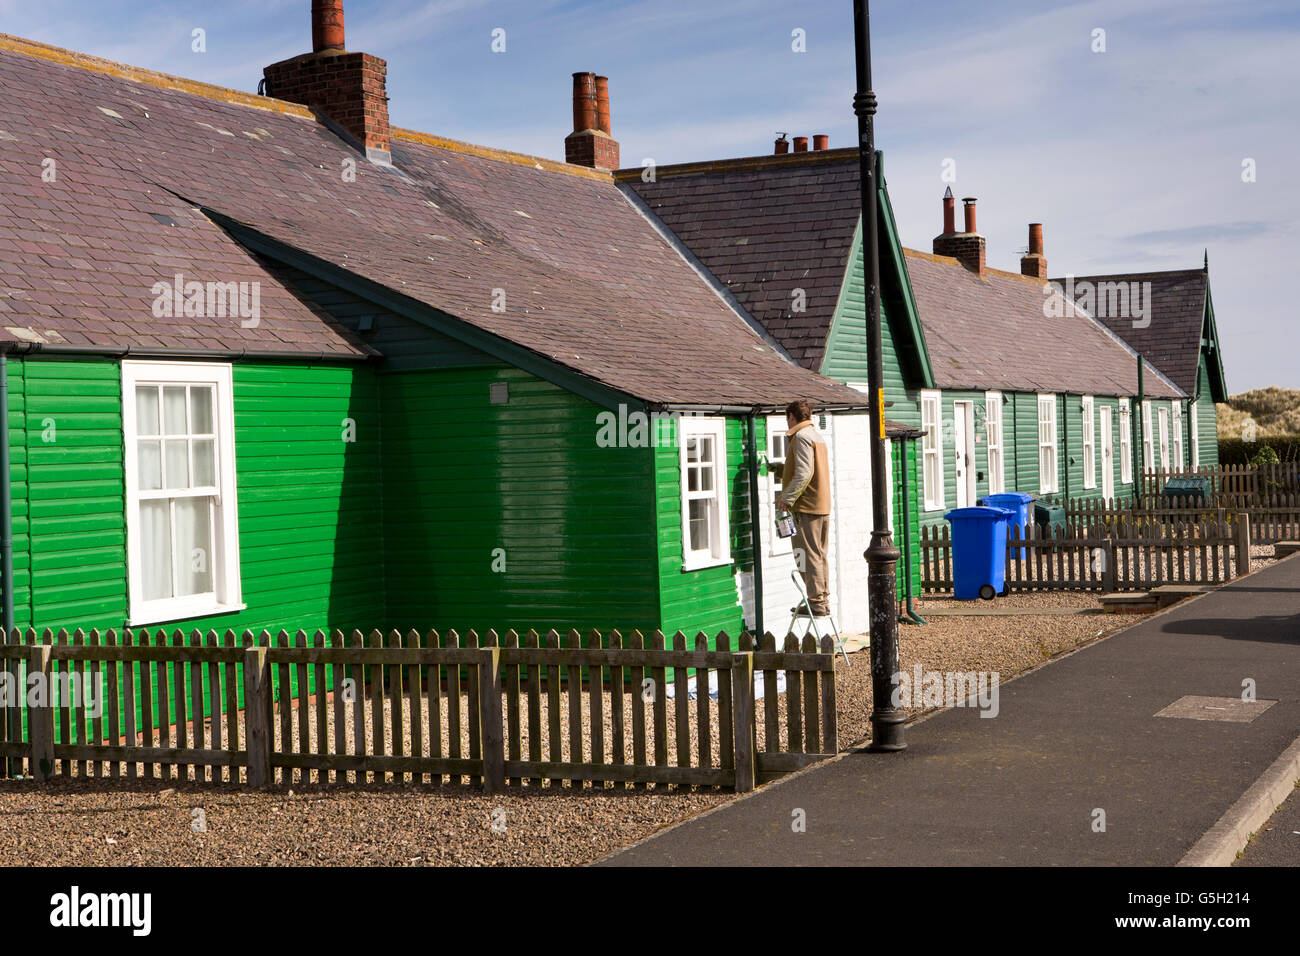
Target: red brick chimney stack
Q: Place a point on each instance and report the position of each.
(348, 89)
(966, 247)
(1034, 263)
(590, 143)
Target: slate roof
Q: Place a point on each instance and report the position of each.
(589, 282)
(747, 220)
(767, 226)
(1172, 340)
(994, 332)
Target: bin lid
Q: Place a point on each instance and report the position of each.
(1186, 484)
(1019, 497)
(978, 513)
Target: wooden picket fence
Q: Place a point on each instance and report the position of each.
(1239, 483)
(338, 708)
(1126, 555)
(1273, 517)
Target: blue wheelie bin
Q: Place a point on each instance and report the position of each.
(1020, 504)
(979, 552)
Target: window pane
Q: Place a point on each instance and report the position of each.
(692, 478)
(178, 464)
(205, 468)
(174, 409)
(149, 456)
(193, 546)
(692, 449)
(699, 524)
(155, 550)
(201, 410)
(146, 410)
(706, 478)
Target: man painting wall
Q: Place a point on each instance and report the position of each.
(806, 494)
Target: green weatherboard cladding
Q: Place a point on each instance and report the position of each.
(308, 507)
(706, 599)
(512, 515)
(307, 502)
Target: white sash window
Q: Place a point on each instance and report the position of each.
(182, 514)
(1046, 444)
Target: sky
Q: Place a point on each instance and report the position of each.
(1173, 132)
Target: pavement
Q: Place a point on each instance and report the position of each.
(1075, 769)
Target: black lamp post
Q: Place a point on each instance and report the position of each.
(881, 555)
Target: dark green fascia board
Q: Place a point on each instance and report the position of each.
(1210, 352)
(427, 315)
(894, 269)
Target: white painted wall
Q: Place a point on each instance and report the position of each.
(848, 446)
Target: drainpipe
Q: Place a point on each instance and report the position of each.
(6, 502)
(906, 484)
(755, 525)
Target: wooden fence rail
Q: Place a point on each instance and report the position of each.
(1119, 555)
(376, 708)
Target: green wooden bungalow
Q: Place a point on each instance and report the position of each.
(1014, 387)
(266, 370)
(1178, 335)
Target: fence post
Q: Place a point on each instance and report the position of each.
(1242, 534)
(489, 719)
(257, 715)
(1108, 575)
(742, 724)
(40, 718)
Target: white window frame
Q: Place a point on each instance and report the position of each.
(1196, 439)
(997, 459)
(1162, 418)
(719, 552)
(1125, 442)
(1176, 433)
(227, 592)
(1048, 459)
(776, 429)
(1089, 437)
(1148, 439)
(932, 450)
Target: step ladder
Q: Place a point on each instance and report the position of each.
(802, 610)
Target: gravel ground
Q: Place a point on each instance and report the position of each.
(152, 822)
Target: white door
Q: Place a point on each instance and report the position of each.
(1107, 455)
(963, 441)
(849, 442)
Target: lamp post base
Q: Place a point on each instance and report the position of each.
(887, 720)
